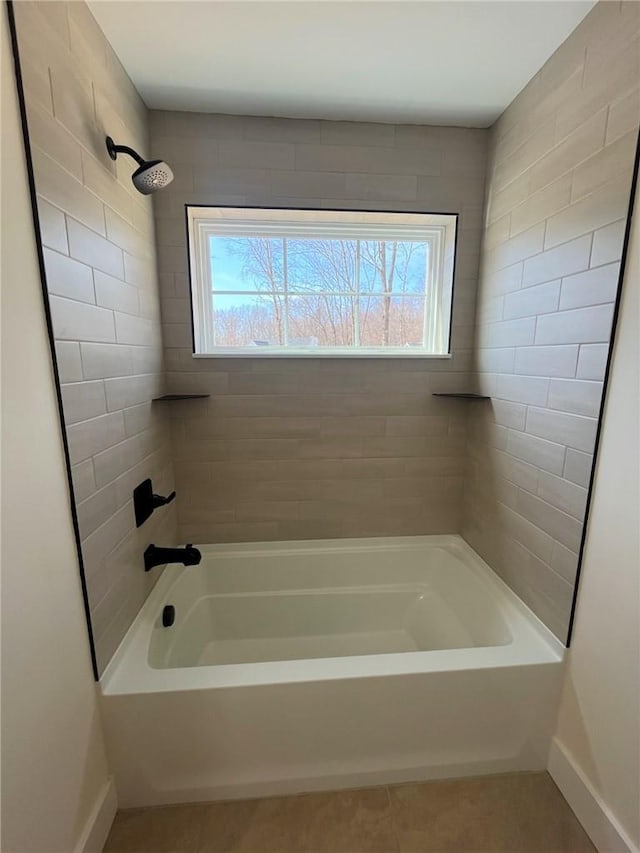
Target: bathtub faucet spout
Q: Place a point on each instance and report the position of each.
(155, 556)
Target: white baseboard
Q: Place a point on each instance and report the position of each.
(96, 830)
(599, 823)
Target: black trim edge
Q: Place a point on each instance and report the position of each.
(47, 312)
(605, 389)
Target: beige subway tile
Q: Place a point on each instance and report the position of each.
(541, 204)
(509, 414)
(368, 159)
(516, 471)
(401, 187)
(115, 294)
(46, 133)
(133, 330)
(176, 310)
(333, 446)
(563, 494)
(503, 202)
(561, 261)
(83, 400)
(97, 546)
(198, 383)
(624, 116)
(100, 361)
(508, 333)
(67, 277)
(298, 184)
(606, 205)
(36, 82)
(564, 562)
(140, 271)
(577, 467)
(84, 483)
(531, 390)
(73, 102)
(53, 227)
(547, 361)
(543, 454)
(266, 129)
(121, 233)
(531, 301)
(96, 510)
(518, 248)
(139, 417)
(416, 425)
(544, 591)
(594, 287)
(62, 190)
(117, 459)
(90, 248)
(527, 534)
(562, 527)
(607, 243)
(87, 40)
(447, 193)
(498, 232)
(505, 280)
(101, 179)
(531, 150)
(582, 325)
(495, 360)
(357, 133)
(257, 155)
(463, 162)
(147, 359)
(576, 396)
(69, 363)
(573, 430)
(89, 437)
(573, 149)
(613, 160)
(592, 361)
(129, 390)
(78, 321)
(613, 61)
(352, 426)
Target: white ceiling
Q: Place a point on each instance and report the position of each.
(419, 62)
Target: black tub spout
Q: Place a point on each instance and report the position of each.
(155, 556)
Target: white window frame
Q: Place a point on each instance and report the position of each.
(439, 230)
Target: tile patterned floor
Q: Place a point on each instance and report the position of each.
(515, 813)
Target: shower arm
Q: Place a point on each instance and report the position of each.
(114, 150)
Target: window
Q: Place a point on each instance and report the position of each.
(320, 283)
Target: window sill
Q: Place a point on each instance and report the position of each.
(259, 352)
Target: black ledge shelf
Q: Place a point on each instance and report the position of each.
(169, 398)
(461, 396)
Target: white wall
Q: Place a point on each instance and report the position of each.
(54, 771)
(598, 728)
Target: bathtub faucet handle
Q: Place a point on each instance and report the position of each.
(159, 500)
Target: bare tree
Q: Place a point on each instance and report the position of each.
(334, 287)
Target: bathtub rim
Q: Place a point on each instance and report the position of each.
(129, 673)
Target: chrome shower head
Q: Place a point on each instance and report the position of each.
(151, 175)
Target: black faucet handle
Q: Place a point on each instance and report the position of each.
(159, 500)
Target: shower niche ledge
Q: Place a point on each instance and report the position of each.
(460, 395)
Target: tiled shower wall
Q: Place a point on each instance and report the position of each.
(99, 249)
(558, 188)
(299, 449)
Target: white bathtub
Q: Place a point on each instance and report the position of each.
(297, 666)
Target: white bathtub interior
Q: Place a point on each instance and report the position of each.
(294, 604)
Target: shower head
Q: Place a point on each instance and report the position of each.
(151, 175)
